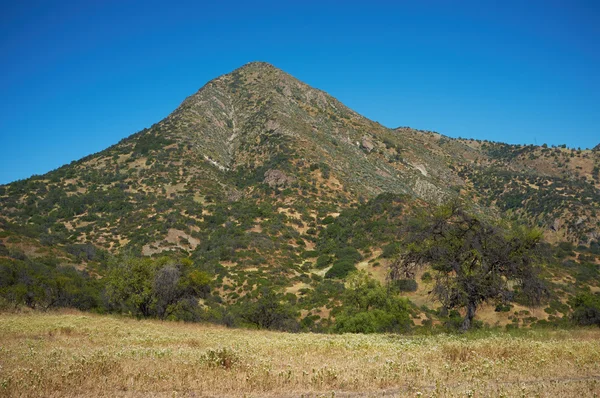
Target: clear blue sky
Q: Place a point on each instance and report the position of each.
(78, 76)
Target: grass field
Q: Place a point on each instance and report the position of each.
(71, 354)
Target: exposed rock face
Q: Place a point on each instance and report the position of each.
(596, 148)
(367, 144)
(277, 178)
(428, 191)
(234, 195)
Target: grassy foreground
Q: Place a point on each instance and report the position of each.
(75, 354)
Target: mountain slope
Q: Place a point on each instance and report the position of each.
(249, 175)
(220, 143)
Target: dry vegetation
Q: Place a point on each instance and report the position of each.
(75, 354)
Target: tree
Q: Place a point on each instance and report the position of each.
(270, 311)
(368, 307)
(166, 289)
(586, 309)
(474, 260)
(129, 286)
(163, 287)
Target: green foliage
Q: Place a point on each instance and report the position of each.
(426, 277)
(270, 311)
(373, 223)
(42, 283)
(502, 307)
(391, 250)
(323, 261)
(473, 259)
(162, 287)
(405, 285)
(147, 142)
(340, 269)
(369, 308)
(327, 220)
(586, 309)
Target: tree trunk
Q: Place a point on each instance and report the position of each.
(471, 307)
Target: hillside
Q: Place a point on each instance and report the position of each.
(262, 181)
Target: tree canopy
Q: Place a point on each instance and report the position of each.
(474, 260)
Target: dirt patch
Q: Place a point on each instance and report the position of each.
(175, 239)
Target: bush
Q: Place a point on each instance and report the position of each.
(220, 358)
(390, 250)
(271, 311)
(348, 253)
(586, 309)
(374, 321)
(323, 261)
(503, 308)
(327, 220)
(426, 277)
(340, 269)
(406, 285)
(369, 308)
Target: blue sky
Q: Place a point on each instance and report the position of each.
(78, 76)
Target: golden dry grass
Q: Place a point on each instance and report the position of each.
(72, 354)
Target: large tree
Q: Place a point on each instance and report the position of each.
(161, 287)
(474, 260)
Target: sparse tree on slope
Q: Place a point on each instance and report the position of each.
(473, 260)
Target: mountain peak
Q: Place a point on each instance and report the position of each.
(257, 64)
(260, 67)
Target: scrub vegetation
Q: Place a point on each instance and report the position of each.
(68, 354)
(265, 205)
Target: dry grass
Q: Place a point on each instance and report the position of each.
(73, 354)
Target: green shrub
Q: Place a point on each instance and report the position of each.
(310, 254)
(406, 285)
(323, 261)
(340, 269)
(586, 309)
(503, 307)
(327, 220)
(391, 250)
(374, 321)
(426, 277)
(370, 308)
(348, 253)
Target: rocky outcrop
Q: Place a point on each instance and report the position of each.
(277, 178)
(428, 191)
(367, 144)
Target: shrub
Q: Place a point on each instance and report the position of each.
(374, 321)
(503, 307)
(406, 285)
(369, 308)
(426, 277)
(327, 220)
(270, 311)
(586, 309)
(348, 253)
(340, 269)
(220, 358)
(390, 250)
(323, 261)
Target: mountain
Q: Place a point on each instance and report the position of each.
(257, 177)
